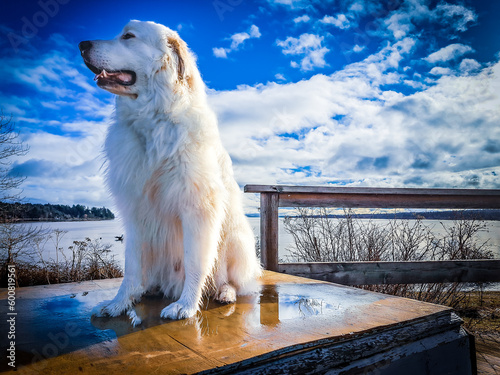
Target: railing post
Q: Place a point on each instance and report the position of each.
(269, 230)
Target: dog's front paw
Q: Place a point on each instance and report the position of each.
(178, 310)
(111, 308)
(134, 318)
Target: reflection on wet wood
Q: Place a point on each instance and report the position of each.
(269, 306)
(295, 325)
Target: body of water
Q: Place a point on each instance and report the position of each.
(104, 230)
(107, 230)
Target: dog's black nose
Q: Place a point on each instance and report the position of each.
(85, 45)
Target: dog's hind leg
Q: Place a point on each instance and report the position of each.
(201, 228)
(224, 292)
(243, 268)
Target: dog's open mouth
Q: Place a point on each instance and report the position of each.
(107, 78)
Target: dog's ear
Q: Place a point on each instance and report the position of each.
(180, 50)
(177, 65)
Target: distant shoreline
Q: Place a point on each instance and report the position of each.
(52, 220)
(30, 212)
(468, 214)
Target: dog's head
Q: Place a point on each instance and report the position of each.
(143, 58)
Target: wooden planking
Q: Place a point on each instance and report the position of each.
(411, 349)
(274, 196)
(488, 356)
(370, 273)
(269, 231)
(280, 330)
(285, 189)
(389, 201)
(317, 196)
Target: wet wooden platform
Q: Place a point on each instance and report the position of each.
(488, 356)
(294, 325)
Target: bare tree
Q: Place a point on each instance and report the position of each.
(18, 244)
(16, 241)
(10, 146)
(24, 245)
(319, 237)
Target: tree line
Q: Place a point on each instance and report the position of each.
(32, 211)
(24, 245)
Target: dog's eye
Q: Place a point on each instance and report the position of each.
(128, 36)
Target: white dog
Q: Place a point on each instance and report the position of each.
(170, 175)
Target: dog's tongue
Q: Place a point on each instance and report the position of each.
(121, 77)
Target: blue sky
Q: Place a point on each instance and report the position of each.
(354, 93)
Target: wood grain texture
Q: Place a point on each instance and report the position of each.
(269, 230)
(370, 273)
(284, 189)
(350, 200)
(319, 196)
(293, 326)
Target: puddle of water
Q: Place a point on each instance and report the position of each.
(49, 327)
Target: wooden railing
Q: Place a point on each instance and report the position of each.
(365, 273)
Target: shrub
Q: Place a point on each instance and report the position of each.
(320, 238)
(85, 260)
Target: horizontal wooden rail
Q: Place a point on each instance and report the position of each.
(311, 196)
(274, 196)
(368, 273)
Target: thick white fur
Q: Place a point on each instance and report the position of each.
(172, 180)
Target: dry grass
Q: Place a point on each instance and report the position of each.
(84, 260)
(319, 238)
(481, 314)
(34, 274)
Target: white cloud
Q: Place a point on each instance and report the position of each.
(69, 169)
(220, 52)
(292, 4)
(400, 22)
(357, 48)
(458, 15)
(305, 18)
(440, 71)
(449, 52)
(304, 43)
(254, 32)
(381, 67)
(357, 7)
(308, 45)
(63, 120)
(347, 128)
(407, 18)
(236, 41)
(469, 66)
(339, 21)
